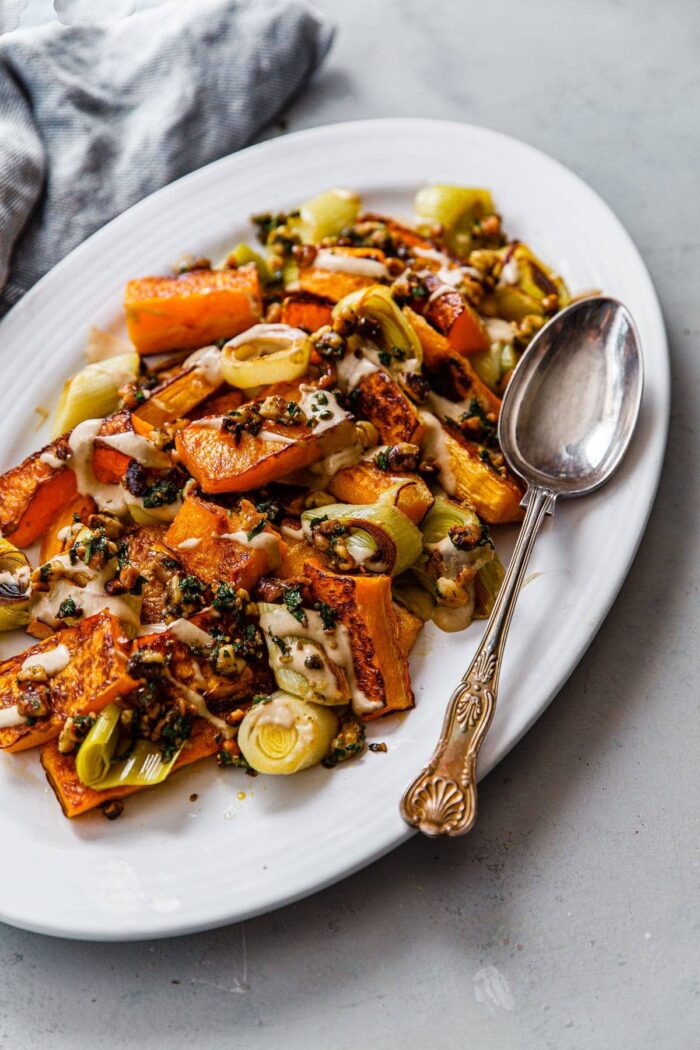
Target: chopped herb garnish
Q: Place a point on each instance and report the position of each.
(382, 459)
(281, 644)
(256, 530)
(293, 599)
(225, 598)
(328, 615)
(68, 610)
(161, 492)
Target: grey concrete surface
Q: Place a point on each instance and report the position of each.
(570, 918)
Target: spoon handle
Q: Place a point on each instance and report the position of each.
(442, 799)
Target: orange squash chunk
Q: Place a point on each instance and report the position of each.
(32, 493)
(364, 607)
(366, 483)
(216, 556)
(334, 284)
(95, 675)
(382, 402)
(193, 310)
(307, 311)
(223, 462)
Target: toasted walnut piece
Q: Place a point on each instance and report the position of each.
(35, 673)
(35, 702)
(112, 810)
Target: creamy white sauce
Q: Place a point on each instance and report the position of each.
(328, 467)
(316, 403)
(446, 409)
(190, 544)
(207, 362)
(210, 422)
(291, 533)
(351, 370)
(189, 634)
(442, 289)
(498, 331)
(278, 439)
(510, 273)
(199, 704)
(10, 718)
(139, 448)
(51, 662)
(51, 460)
(265, 541)
(337, 262)
(435, 447)
(433, 254)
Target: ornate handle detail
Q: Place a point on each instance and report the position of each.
(442, 799)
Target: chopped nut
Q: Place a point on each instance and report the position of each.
(113, 809)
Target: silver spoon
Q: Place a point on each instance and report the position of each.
(566, 420)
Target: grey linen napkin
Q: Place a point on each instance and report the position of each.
(93, 118)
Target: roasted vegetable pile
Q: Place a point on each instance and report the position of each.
(249, 510)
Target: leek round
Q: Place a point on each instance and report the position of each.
(93, 392)
(377, 304)
(286, 734)
(379, 534)
(266, 353)
(143, 767)
(14, 587)
(327, 215)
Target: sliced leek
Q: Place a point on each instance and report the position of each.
(286, 734)
(243, 254)
(93, 392)
(487, 584)
(526, 286)
(455, 209)
(266, 353)
(94, 764)
(494, 364)
(327, 215)
(376, 536)
(14, 587)
(376, 303)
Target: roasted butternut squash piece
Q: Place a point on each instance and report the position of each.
(32, 493)
(297, 552)
(218, 404)
(382, 402)
(364, 607)
(193, 310)
(178, 396)
(366, 483)
(52, 544)
(451, 373)
(225, 462)
(336, 284)
(212, 543)
(454, 317)
(75, 798)
(94, 675)
(409, 626)
(494, 496)
(149, 555)
(307, 311)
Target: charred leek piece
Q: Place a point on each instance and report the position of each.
(284, 734)
(377, 537)
(14, 587)
(266, 353)
(457, 545)
(400, 343)
(494, 364)
(95, 766)
(487, 584)
(455, 209)
(300, 657)
(243, 254)
(327, 215)
(526, 286)
(93, 392)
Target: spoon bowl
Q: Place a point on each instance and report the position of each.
(566, 421)
(570, 408)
